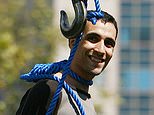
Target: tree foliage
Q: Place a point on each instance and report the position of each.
(27, 37)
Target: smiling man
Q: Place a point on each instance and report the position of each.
(92, 56)
(95, 49)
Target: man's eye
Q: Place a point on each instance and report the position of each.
(93, 39)
(109, 43)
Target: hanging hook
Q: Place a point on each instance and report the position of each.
(72, 31)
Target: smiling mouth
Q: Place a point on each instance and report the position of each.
(96, 59)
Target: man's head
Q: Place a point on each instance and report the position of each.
(95, 48)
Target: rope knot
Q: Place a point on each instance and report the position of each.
(47, 71)
(93, 16)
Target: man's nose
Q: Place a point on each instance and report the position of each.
(100, 48)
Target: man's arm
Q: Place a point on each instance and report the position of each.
(35, 100)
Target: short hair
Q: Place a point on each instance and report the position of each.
(107, 18)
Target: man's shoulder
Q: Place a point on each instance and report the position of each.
(45, 86)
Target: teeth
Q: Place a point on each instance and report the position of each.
(96, 59)
(91, 53)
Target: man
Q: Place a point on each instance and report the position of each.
(92, 56)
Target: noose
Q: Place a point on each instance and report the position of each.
(61, 83)
(47, 71)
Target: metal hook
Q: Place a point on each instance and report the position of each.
(78, 23)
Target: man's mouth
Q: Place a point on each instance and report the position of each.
(96, 59)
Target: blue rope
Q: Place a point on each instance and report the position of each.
(50, 69)
(83, 81)
(61, 83)
(46, 71)
(66, 87)
(97, 5)
(93, 16)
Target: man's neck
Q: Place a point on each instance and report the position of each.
(73, 83)
(76, 84)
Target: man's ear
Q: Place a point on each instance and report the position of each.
(71, 43)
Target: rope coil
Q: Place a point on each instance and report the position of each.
(46, 71)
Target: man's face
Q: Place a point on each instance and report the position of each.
(95, 49)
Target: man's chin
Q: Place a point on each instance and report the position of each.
(96, 72)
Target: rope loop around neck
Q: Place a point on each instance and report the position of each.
(46, 71)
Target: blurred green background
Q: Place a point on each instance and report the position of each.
(27, 37)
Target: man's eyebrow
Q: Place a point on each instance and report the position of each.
(95, 34)
(92, 34)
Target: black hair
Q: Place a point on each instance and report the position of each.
(107, 18)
